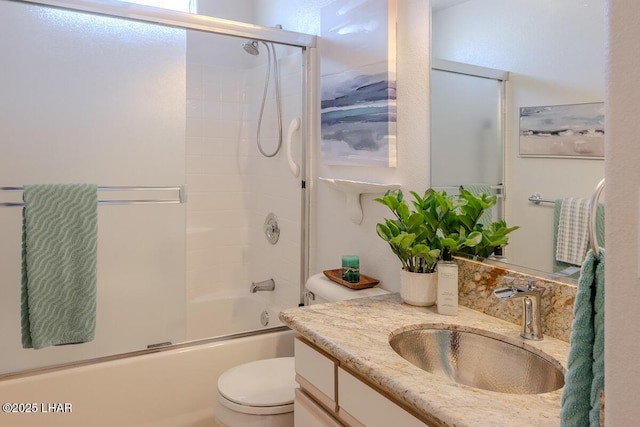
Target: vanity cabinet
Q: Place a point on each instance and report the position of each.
(331, 396)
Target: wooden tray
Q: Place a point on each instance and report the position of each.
(365, 281)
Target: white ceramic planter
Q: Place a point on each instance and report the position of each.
(418, 288)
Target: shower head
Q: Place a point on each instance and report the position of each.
(251, 47)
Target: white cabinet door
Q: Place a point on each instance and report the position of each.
(307, 413)
(319, 370)
(368, 407)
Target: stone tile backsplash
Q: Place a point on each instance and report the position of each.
(478, 280)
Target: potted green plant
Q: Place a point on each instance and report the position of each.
(468, 222)
(418, 233)
(415, 238)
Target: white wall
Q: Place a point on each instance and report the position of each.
(555, 54)
(333, 233)
(295, 15)
(622, 317)
(237, 10)
(105, 107)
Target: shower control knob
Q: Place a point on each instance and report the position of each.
(271, 228)
(264, 318)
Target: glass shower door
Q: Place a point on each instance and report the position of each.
(106, 100)
(234, 188)
(467, 135)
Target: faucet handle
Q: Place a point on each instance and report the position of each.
(505, 292)
(510, 288)
(530, 286)
(517, 289)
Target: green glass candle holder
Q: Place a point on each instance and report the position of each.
(351, 268)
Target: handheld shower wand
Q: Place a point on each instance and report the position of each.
(252, 47)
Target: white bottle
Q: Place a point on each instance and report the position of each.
(447, 299)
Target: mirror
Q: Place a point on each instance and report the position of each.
(554, 53)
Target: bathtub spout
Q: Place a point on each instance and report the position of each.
(265, 285)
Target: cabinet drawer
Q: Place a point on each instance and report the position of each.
(362, 405)
(316, 373)
(308, 413)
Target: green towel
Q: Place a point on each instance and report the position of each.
(559, 266)
(59, 255)
(585, 369)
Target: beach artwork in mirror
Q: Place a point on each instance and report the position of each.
(358, 80)
(575, 130)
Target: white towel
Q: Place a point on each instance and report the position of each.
(573, 231)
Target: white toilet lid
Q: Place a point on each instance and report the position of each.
(268, 382)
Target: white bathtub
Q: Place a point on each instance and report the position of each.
(229, 312)
(171, 388)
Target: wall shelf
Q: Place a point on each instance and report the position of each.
(353, 190)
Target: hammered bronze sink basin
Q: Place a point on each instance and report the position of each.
(478, 360)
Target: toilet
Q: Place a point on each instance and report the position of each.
(260, 393)
(257, 393)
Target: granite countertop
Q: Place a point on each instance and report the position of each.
(356, 332)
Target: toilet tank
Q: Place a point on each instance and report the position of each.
(319, 289)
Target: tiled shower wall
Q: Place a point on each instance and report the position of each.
(231, 187)
(273, 188)
(217, 226)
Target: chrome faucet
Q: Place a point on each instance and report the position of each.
(265, 285)
(530, 294)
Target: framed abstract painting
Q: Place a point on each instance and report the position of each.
(574, 130)
(358, 80)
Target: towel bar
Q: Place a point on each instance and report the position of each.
(537, 199)
(181, 189)
(593, 209)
